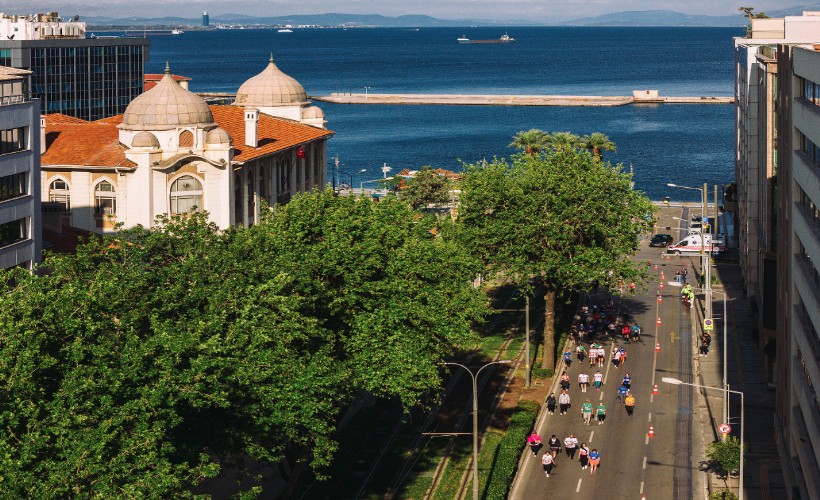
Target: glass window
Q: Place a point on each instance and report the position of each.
(12, 186)
(60, 192)
(105, 199)
(12, 232)
(186, 195)
(12, 140)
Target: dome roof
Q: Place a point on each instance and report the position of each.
(271, 87)
(312, 112)
(145, 140)
(218, 136)
(166, 106)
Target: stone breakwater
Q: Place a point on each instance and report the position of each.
(514, 100)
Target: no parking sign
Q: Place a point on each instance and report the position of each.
(724, 428)
(708, 324)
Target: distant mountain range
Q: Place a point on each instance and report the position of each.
(626, 18)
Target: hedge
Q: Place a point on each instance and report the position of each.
(508, 452)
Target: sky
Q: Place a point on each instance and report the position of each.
(538, 10)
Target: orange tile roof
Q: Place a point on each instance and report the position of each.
(275, 134)
(152, 79)
(72, 141)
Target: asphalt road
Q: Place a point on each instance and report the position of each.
(633, 465)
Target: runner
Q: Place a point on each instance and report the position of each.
(583, 381)
(564, 381)
(555, 446)
(601, 413)
(586, 411)
(563, 402)
(568, 357)
(623, 355)
(571, 446)
(583, 455)
(616, 357)
(627, 381)
(629, 403)
(594, 460)
(598, 380)
(601, 356)
(593, 355)
(636, 333)
(548, 461)
(551, 403)
(622, 394)
(625, 330)
(580, 352)
(535, 443)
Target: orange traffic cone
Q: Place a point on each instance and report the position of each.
(655, 389)
(656, 267)
(660, 299)
(659, 321)
(662, 276)
(651, 432)
(661, 286)
(658, 346)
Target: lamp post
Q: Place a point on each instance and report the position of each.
(725, 377)
(705, 266)
(474, 377)
(366, 90)
(674, 381)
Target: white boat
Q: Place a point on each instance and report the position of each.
(463, 39)
(177, 32)
(285, 30)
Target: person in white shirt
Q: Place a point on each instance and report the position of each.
(548, 462)
(598, 380)
(571, 446)
(563, 402)
(583, 381)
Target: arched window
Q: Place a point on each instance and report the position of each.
(105, 199)
(238, 200)
(186, 139)
(59, 192)
(186, 195)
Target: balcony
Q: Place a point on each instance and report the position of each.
(8, 100)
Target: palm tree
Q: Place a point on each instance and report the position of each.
(598, 143)
(531, 142)
(563, 141)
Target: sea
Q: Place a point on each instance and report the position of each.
(687, 144)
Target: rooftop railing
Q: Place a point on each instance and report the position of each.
(7, 100)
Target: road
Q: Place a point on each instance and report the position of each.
(633, 465)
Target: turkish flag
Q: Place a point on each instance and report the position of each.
(300, 153)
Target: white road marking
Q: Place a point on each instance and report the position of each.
(646, 441)
(578, 488)
(641, 492)
(590, 436)
(644, 462)
(650, 417)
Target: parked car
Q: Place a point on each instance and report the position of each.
(695, 243)
(661, 240)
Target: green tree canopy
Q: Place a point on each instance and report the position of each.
(564, 219)
(425, 188)
(531, 141)
(157, 358)
(597, 143)
(564, 141)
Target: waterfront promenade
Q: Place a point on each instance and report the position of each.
(513, 100)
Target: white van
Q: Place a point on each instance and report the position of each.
(693, 244)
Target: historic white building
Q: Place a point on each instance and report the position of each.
(170, 153)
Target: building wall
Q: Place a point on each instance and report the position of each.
(86, 78)
(26, 207)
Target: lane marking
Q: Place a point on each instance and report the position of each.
(578, 488)
(650, 417)
(641, 492)
(590, 436)
(644, 463)
(646, 441)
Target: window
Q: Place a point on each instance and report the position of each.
(12, 186)
(12, 232)
(105, 199)
(186, 139)
(59, 192)
(12, 140)
(186, 195)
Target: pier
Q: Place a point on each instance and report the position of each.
(637, 97)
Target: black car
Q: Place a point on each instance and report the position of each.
(661, 240)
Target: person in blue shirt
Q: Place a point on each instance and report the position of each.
(594, 460)
(622, 393)
(627, 383)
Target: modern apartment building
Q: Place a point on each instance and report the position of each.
(20, 232)
(88, 78)
(797, 423)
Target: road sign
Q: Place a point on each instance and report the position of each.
(725, 428)
(708, 324)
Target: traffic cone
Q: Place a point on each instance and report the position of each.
(660, 299)
(656, 267)
(651, 432)
(659, 321)
(661, 286)
(662, 276)
(655, 389)
(657, 347)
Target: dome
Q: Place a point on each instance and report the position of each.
(145, 140)
(219, 136)
(166, 106)
(312, 112)
(271, 87)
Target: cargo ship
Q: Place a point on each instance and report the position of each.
(505, 38)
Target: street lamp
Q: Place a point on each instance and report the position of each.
(674, 381)
(705, 266)
(366, 90)
(474, 377)
(725, 377)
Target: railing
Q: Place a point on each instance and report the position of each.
(13, 99)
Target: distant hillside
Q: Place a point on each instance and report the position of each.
(657, 18)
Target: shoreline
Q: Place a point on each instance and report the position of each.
(514, 100)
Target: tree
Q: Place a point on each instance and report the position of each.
(425, 188)
(747, 11)
(531, 142)
(564, 141)
(725, 454)
(564, 220)
(156, 359)
(597, 143)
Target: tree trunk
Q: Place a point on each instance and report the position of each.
(548, 361)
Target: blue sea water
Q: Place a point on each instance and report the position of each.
(684, 144)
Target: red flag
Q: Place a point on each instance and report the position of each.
(300, 153)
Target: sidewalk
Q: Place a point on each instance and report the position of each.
(763, 477)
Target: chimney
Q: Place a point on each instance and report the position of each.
(42, 135)
(251, 127)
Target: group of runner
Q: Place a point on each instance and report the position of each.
(588, 459)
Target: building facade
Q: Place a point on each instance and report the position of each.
(20, 230)
(171, 153)
(798, 250)
(88, 78)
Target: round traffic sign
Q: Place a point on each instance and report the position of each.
(725, 428)
(708, 324)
